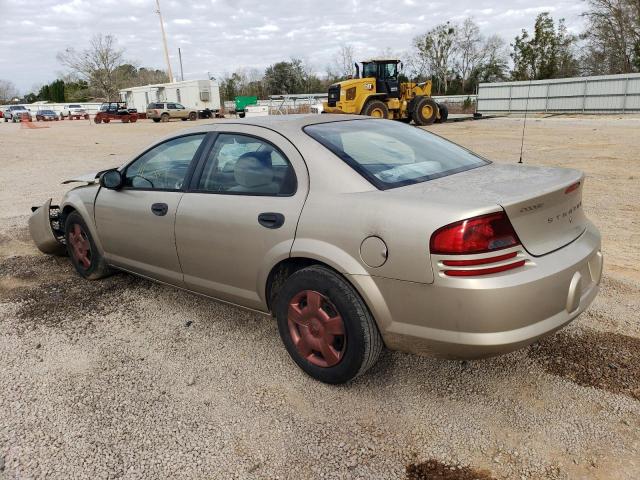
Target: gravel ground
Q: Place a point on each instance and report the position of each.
(124, 378)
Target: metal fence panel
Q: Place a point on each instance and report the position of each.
(604, 94)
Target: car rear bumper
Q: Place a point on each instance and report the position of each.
(477, 317)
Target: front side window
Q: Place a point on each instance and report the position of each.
(179, 107)
(165, 166)
(369, 70)
(171, 106)
(392, 154)
(239, 164)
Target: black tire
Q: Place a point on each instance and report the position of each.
(444, 113)
(405, 120)
(193, 116)
(184, 119)
(97, 268)
(164, 117)
(362, 341)
(157, 120)
(425, 111)
(375, 108)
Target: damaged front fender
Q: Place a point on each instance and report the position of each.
(45, 229)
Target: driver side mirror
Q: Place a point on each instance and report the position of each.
(111, 179)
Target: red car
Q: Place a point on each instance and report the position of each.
(115, 111)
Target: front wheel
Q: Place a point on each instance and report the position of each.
(164, 117)
(325, 326)
(82, 249)
(376, 109)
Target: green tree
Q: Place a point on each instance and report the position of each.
(435, 54)
(612, 37)
(548, 53)
(285, 78)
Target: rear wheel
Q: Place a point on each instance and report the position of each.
(376, 109)
(184, 119)
(325, 326)
(96, 119)
(82, 249)
(157, 120)
(425, 111)
(444, 113)
(164, 117)
(125, 119)
(106, 120)
(193, 116)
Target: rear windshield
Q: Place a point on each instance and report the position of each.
(391, 154)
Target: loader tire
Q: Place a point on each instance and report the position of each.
(444, 113)
(375, 109)
(425, 111)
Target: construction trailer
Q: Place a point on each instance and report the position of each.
(197, 94)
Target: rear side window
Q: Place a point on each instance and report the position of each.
(244, 165)
(391, 154)
(156, 105)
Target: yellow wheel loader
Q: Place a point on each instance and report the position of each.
(378, 93)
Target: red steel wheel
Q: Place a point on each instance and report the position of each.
(80, 246)
(316, 328)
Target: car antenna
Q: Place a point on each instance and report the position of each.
(524, 125)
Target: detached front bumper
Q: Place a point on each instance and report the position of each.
(45, 229)
(485, 316)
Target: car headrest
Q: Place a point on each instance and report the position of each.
(253, 169)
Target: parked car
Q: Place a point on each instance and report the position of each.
(74, 111)
(46, 115)
(164, 111)
(115, 111)
(353, 232)
(16, 113)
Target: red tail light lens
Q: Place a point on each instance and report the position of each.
(485, 233)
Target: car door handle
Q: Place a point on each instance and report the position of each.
(271, 220)
(159, 209)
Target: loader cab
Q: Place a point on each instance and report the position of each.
(386, 74)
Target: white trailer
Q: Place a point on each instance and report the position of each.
(196, 94)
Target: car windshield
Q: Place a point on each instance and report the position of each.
(391, 154)
(75, 106)
(47, 112)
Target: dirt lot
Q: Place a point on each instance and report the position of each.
(129, 379)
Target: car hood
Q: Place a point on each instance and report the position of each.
(88, 178)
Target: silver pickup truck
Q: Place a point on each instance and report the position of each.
(15, 112)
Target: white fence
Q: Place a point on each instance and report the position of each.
(601, 94)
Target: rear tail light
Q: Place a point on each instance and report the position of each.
(482, 234)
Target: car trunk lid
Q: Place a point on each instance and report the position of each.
(543, 204)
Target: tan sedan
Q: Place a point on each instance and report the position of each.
(354, 233)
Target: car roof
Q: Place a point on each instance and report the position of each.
(282, 123)
(289, 126)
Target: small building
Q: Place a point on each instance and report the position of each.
(198, 94)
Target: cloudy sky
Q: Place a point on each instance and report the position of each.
(220, 36)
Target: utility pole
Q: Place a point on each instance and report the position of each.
(181, 70)
(164, 41)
